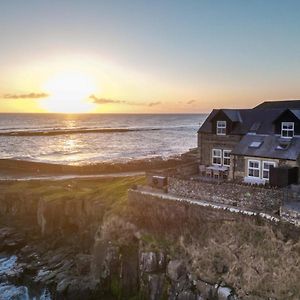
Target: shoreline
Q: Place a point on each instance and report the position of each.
(11, 169)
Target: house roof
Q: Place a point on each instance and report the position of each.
(296, 112)
(233, 114)
(245, 120)
(270, 146)
(258, 120)
(285, 104)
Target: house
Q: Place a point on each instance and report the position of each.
(258, 145)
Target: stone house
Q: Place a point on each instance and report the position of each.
(259, 145)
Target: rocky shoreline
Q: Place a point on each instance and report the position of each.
(84, 239)
(58, 268)
(43, 264)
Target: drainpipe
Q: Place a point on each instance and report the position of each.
(233, 171)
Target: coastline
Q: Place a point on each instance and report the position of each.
(11, 169)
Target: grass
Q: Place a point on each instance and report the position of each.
(158, 243)
(112, 193)
(255, 260)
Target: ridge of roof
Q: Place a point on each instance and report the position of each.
(281, 104)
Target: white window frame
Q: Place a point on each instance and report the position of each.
(287, 130)
(221, 127)
(258, 168)
(216, 156)
(226, 151)
(271, 163)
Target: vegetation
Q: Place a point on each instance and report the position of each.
(253, 258)
(112, 192)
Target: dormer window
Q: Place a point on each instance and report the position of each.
(221, 127)
(287, 129)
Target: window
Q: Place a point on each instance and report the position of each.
(217, 157)
(221, 127)
(287, 129)
(266, 169)
(226, 158)
(254, 168)
(255, 144)
(283, 145)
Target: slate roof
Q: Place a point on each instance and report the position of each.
(286, 104)
(296, 112)
(258, 120)
(246, 120)
(268, 147)
(233, 114)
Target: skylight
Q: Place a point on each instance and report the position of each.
(283, 145)
(255, 144)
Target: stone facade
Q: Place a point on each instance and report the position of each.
(239, 165)
(207, 142)
(243, 196)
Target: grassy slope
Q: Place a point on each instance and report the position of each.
(112, 192)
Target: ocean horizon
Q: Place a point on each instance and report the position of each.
(79, 139)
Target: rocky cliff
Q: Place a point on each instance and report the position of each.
(85, 240)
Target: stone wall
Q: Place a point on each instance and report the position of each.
(290, 215)
(243, 196)
(159, 212)
(238, 168)
(188, 169)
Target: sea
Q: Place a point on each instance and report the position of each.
(80, 139)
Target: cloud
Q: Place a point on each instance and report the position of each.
(154, 103)
(104, 100)
(25, 96)
(191, 101)
(117, 101)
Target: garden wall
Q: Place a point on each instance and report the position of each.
(243, 196)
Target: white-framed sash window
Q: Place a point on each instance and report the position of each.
(226, 158)
(266, 169)
(217, 157)
(254, 168)
(221, 127)
(287, 129)
(221, 157)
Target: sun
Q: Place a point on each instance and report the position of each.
(68, 93)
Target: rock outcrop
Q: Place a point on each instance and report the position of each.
(78, 247)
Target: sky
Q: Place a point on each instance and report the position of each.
(165, 56)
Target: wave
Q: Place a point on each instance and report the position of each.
(70, 131)
(58, 131)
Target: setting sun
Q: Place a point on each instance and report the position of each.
(68, 93)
